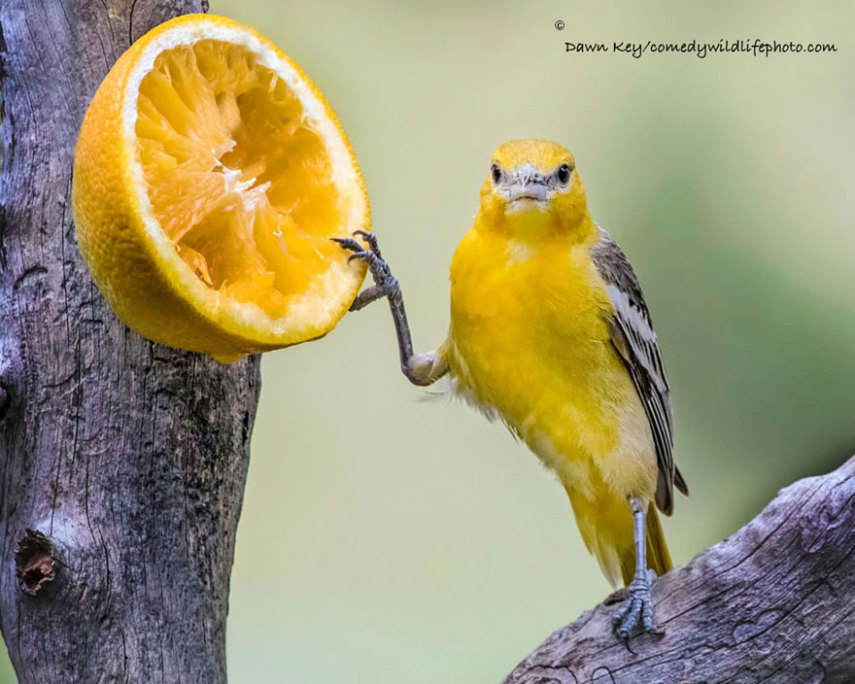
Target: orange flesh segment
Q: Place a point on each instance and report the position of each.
(236, 176)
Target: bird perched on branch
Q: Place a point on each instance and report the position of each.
(549, 331)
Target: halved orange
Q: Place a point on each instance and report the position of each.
(209, 175)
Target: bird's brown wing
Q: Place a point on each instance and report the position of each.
(633, 337)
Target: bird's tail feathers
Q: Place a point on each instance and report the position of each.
(658, 556)
(606, 529)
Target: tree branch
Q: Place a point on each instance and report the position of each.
(773, 603)
(122, 463)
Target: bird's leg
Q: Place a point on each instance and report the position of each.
(420, 369)
(636, 613)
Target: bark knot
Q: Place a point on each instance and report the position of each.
(5, 400)
(35, 564)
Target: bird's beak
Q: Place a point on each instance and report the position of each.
(526, 182)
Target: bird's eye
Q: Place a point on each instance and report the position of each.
(496, 173)
(564, 172)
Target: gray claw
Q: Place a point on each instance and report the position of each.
(368, 257)
(349, 243)
(386, 283)
(635, 616)
(371, 239)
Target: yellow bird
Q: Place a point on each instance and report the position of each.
(549, 332)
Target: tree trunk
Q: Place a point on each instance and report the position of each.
(122, 462)
(774, 603)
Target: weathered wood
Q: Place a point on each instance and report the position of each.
(774, 603)
(125, 459)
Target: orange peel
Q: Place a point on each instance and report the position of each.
(209, 175)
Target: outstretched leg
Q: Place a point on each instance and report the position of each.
(420, 369)
(636, 613)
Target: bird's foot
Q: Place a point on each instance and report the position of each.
(635, 616)
(385, 284)
(370, 256)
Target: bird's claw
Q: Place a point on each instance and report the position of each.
(349, 243)
(387, 284)
(355, 246)
(635, 616)
(367, 257)
(371, 239)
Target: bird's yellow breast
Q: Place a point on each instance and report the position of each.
(529, 340)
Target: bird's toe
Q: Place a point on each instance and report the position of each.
(635, 616)
(349, 244)
(370, 238)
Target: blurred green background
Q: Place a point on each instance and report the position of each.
(389, 539)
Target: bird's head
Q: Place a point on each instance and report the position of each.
(533, 182)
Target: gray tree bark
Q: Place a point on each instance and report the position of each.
(122, 463)
(774, 603)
